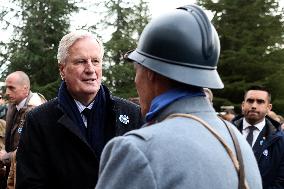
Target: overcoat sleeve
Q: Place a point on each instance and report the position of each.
(123, 166)
(278, 182)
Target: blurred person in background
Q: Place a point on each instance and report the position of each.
(3, 178)
(227, 113)
(3, 107)
(21, 100)
(264, 135)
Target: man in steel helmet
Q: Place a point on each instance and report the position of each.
(184, 144)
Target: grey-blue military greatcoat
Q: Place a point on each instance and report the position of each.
(176, 152)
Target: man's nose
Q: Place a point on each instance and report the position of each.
(89, 63)
(254, 104)
(89, 66)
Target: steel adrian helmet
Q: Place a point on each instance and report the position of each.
(181, 45)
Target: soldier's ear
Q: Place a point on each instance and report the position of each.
(151, 75)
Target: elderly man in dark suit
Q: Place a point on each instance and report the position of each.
(62, 140)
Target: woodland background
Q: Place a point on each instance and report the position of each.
(251, 34)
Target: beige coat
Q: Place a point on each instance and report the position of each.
(2, 146)
(12, 173)
(33, 100)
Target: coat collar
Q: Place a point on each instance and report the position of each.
(272, 125)
(69, 124)
(271, 132)
(190, 105)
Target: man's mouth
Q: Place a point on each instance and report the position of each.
(253, 112)
(89, 80)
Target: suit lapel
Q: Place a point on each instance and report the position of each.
(72, 127)
(259, 143)
(17, 121)
(11, 116)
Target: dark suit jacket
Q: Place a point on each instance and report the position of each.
(15, 120)
(54, 154)
(269, 153)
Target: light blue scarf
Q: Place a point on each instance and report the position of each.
(163, 100)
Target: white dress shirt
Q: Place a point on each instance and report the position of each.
(82, 107)
(21, 104)
(256, 132)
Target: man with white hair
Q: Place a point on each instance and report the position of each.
(62, 141)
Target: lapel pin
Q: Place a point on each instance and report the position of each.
(261, 142)
(124, 119)
(20, 129)
(265, 152)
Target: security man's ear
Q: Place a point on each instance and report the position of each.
(269, 107)
(242, 106)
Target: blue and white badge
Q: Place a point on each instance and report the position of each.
(20, 129)
(265, 152)
(261, 142)
(124, 119)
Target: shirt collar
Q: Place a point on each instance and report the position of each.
(259, 125)
(21, 104)
(81, 107)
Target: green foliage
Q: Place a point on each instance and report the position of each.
(41, 24)
(50, 90)
(33, 47)
(122, 78)
(275, 85)
(127, 18)
(252, 37)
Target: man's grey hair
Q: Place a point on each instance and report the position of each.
(69, 39)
